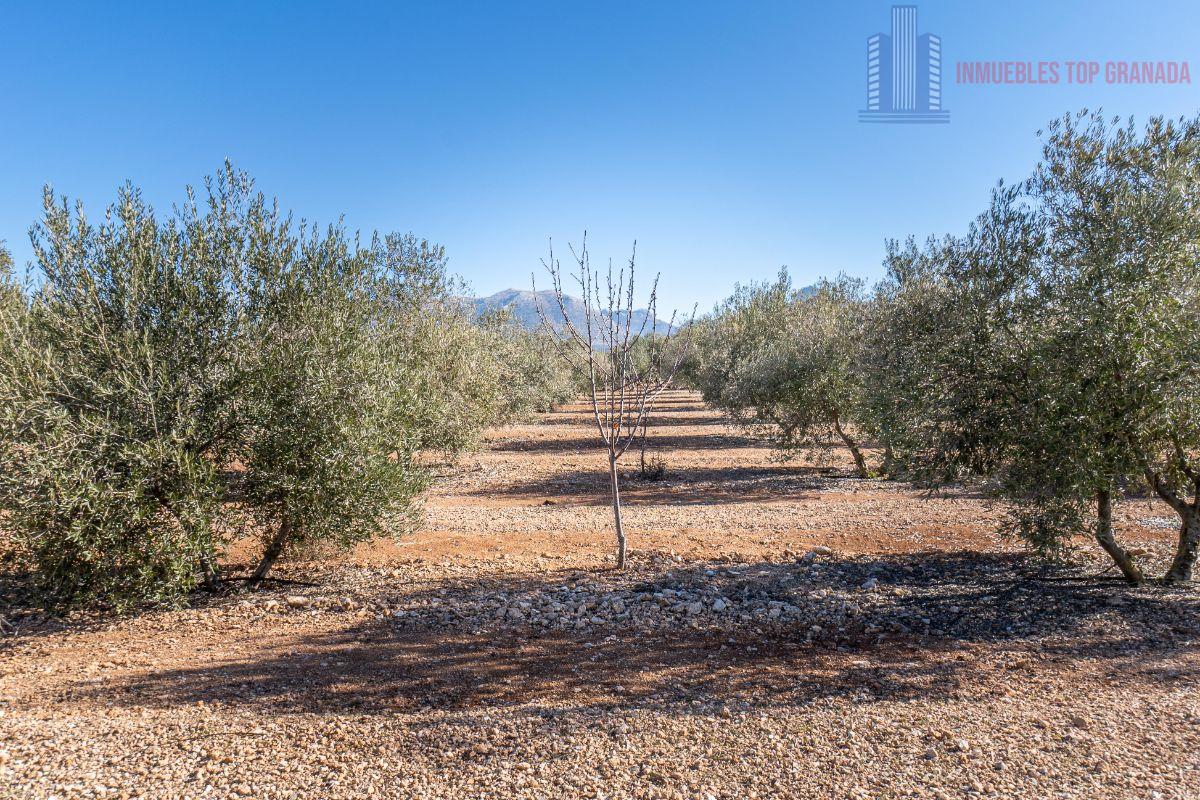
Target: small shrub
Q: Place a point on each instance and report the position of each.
(653, 469)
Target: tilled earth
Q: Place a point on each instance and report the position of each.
(782, 631)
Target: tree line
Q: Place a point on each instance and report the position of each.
(172, 383)
(1050, 354)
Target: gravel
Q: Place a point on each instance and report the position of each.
(795, 652)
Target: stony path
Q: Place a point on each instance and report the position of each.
(784, 631)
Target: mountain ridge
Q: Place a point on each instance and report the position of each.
(523, 304)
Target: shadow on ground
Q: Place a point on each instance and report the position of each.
(656, 443)
(681, 485)
(659, 418)
(996, 625)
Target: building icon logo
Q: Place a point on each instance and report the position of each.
(904, 74)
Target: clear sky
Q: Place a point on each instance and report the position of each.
(722, 136)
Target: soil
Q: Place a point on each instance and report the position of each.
(784, 630)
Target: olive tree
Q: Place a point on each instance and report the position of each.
(368, 358)
(329, 440)
(171, 380)
(942, 346)
(1121, 297)
(1052, 350)
(789, 363)
(530, 375)
(116, 400)
(12, 299)
(6, 267)
(970, 380)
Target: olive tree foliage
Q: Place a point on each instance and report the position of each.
(1053, 350)
(6, 273)
(175, 383)
(531, 375)
(789, 363)
(466, 373)
(12, 304)
(1121, 288)
(12, 300)
(940, 346)
(116, 395)
(334, 417)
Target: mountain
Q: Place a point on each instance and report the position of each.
(524, 307)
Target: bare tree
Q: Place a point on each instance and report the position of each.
(623, 389)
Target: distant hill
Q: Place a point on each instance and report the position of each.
(524, 307)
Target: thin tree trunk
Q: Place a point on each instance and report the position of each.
(859, 462)
(271, 554)
(616, 504)
(1104, 535)
(1189, 545)
(645, 425)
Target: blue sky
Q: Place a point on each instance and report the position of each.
(722, 136)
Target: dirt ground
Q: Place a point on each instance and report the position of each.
(784, 631)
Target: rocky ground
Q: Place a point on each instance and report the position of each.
(783, 631)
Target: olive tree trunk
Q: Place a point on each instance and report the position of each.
(271, 554)
(1104, 535)
(860, 463)
(1180, 570)
(889, 461)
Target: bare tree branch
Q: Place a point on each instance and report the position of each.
(622, 393)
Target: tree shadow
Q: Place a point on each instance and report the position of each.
(680, 485)
(935, 624)
(20, 612)
(658, 418)
(656, 443)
